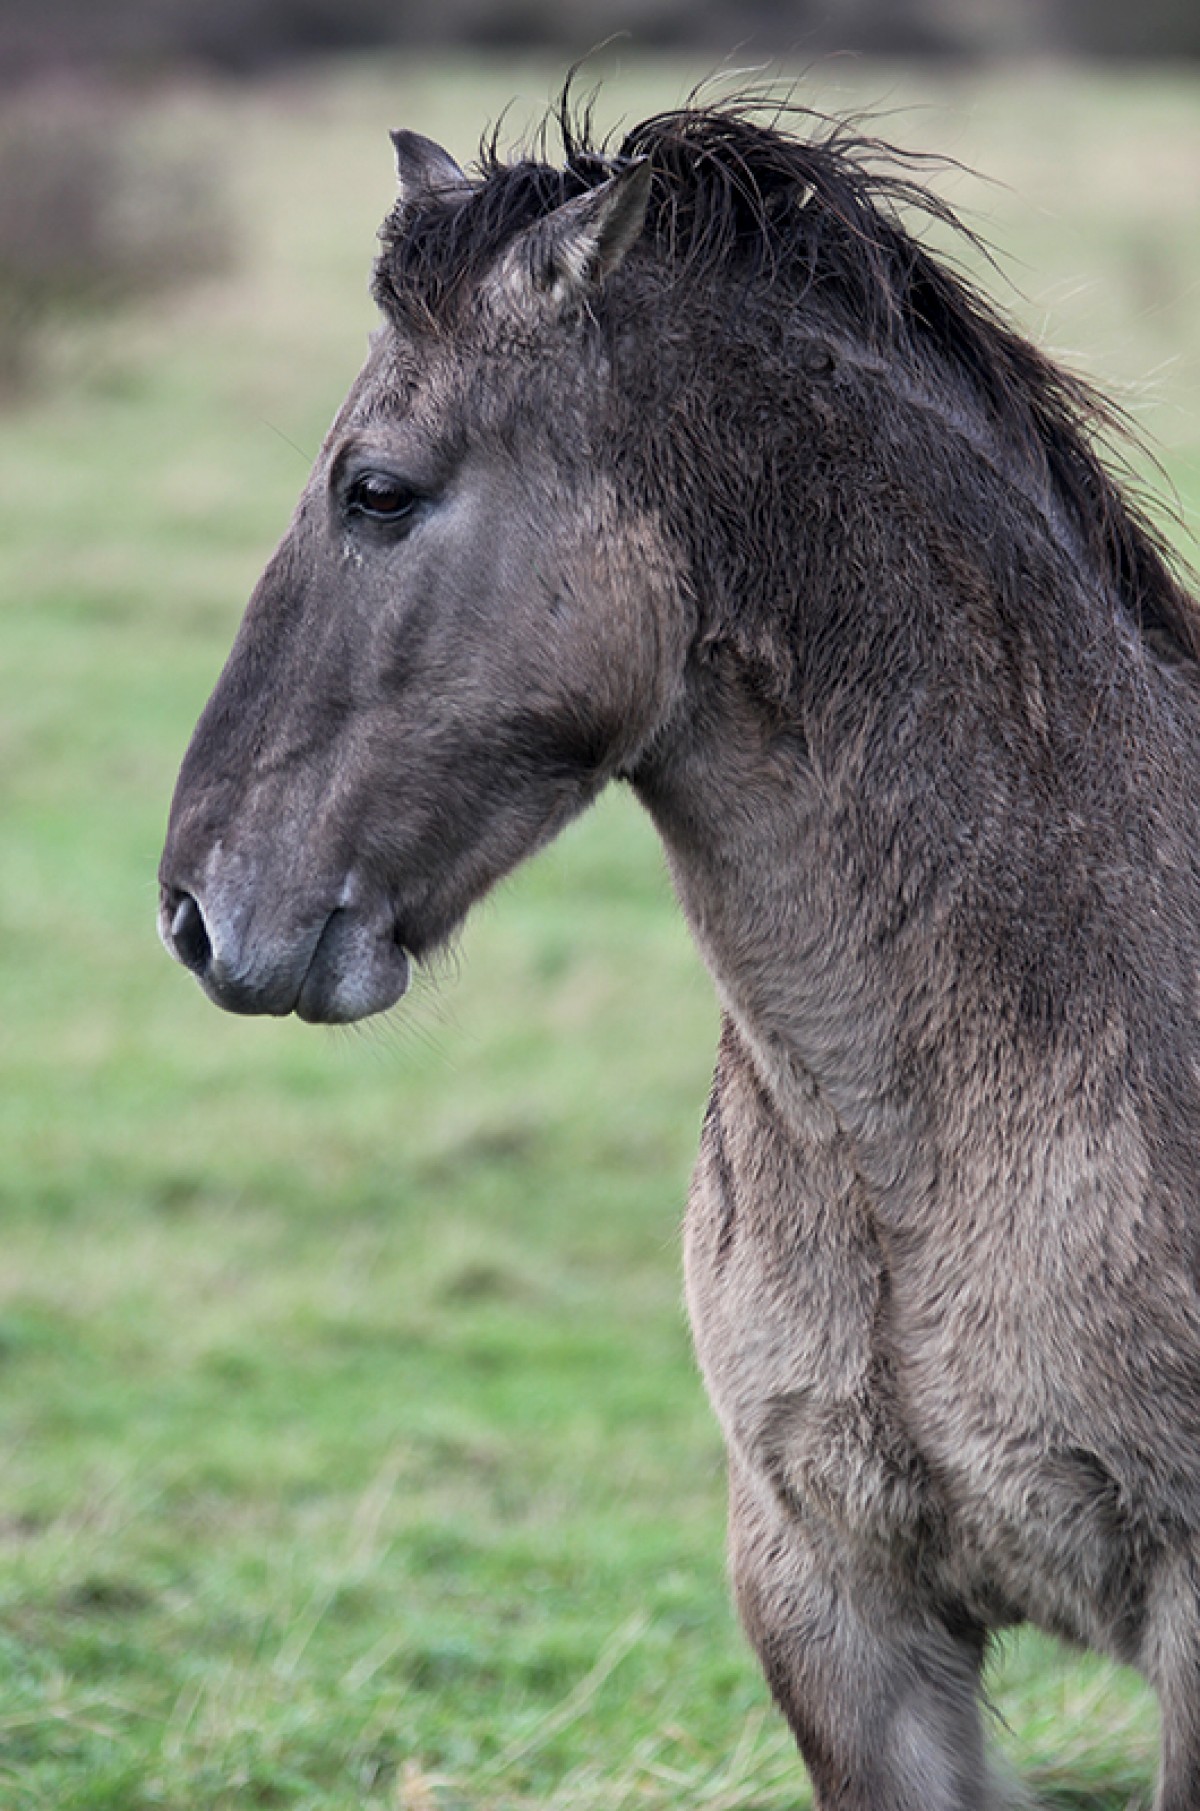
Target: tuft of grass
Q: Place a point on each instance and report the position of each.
(354, 1451)
(1081, 1732)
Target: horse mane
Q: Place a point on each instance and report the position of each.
(738, 196)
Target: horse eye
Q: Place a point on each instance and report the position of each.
(382, 498)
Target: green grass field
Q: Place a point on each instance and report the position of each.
(354, 1454)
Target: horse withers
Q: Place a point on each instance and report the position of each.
(688, 465)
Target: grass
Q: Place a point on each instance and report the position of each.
(354, 1452)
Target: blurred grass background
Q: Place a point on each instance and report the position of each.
(353, 1449)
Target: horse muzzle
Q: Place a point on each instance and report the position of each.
(343, 964)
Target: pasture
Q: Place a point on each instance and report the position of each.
(354, 1452)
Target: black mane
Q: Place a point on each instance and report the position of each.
(739, 198)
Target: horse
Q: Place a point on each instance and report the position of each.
(686, 462)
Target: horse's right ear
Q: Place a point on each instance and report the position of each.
(426, 172)
(554, 263)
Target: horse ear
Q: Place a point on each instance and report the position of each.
(555, 262)
(426, 172)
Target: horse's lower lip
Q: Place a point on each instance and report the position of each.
(353, 973)
(346, 1004)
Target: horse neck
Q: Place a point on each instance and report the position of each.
(765, 875)
(915, 794)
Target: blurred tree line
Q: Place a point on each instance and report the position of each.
(144, 37)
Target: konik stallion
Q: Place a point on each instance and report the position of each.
(687, 465)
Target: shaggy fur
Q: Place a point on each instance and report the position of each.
(687, 464)
(760, 215)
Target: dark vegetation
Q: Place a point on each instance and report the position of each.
(141, 36)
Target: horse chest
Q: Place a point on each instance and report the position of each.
(788, 1296)
(914, 1402)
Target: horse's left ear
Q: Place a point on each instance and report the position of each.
(555, 262)
(426, 172)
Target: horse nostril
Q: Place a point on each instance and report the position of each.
(189, 936)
